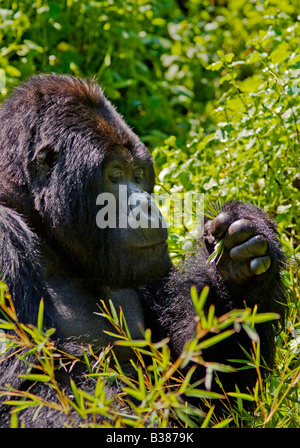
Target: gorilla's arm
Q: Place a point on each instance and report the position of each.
(21, 271)
(20, 268)
(248, 273)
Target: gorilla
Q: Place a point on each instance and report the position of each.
(65, 155)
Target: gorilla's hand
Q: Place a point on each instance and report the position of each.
(245, 250)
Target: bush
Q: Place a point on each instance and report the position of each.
(155, 396)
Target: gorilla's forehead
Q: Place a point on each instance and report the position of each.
(116, 141)
(78, 111)
(131, 157)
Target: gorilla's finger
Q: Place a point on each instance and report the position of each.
(260, 265)
(242, 271)
(220, 224)
(238, 232)
(208, 236)
(255, 247)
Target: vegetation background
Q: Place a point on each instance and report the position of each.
(212, 87)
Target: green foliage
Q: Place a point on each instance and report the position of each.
(158, 386)
(213, 89)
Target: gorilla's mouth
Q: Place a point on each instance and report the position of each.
(150, 245)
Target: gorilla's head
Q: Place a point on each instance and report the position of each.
(66, 155)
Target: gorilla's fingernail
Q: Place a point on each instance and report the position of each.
(260, 265)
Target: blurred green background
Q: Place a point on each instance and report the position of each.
(211, 86)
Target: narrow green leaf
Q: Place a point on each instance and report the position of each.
(41, 315)
(265, 317)
(135, 393)
(7, 326)
(115, 335)
(223, 423)
(137, 343)
(3, 289)
(124, 323)
(221, 367)
(24, 403)
(75, 392)
(142, 383)
(87, 362)
(250, 332)
(199, 301)
(243, 396)
(210, 316)
(203, 394)
(208, 417)
(36, 377)
(187, 380)
(114, 313)
(14, 420)
(215, 339)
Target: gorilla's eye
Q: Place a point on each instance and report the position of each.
(116, 174)
(138, 174)
(47, 157)
(45, 161)
(51, 159)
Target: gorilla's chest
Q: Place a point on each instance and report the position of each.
(78, 311)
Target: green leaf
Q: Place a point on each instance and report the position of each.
(142, 383)
(203, 394)
(135, 343)
(282, 52)
(24, 403)
(41, 315)
(135, 393)
(14, 420)
(229, 57)
(215, 66)
(265, 317)
(251, 84)
(36, 377)
(33, 46)
(250, 332)
(7, 326)
(13, 71)
(207, 418)
(215, 339)
(223, 423)
(115, 335)
(199, 302)
(187, 380)
(221, 367)
(243, 396)
(114, 313)
(75, 392)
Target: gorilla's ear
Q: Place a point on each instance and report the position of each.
(45, 159)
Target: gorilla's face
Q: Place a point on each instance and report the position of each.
(135, 232)
(91, 179)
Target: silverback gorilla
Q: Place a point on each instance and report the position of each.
(62, 144)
